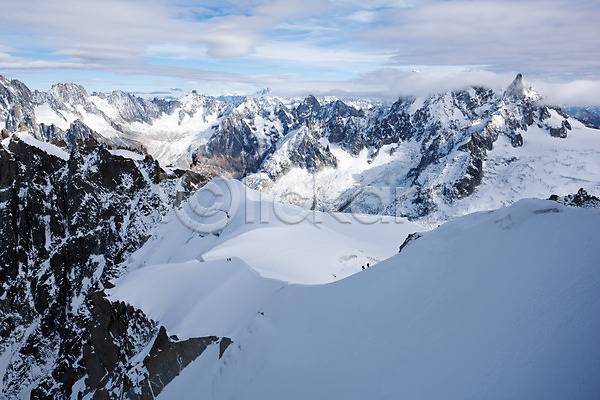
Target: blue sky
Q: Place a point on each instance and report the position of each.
(295, 47)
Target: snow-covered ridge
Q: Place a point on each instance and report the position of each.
(45, 146)
(225, 219)
(490, 304)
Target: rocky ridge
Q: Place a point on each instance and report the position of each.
(69, 222)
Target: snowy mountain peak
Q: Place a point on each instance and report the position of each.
(264, 92)
(70, 94)
(3, 81)
(204, 259)
(516, 89)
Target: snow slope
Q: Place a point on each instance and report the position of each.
(502, 304)
(47, 147)
(224, 219)
(180, 295)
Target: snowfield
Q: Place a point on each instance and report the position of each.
(224, 219)
(502, 304)
(544, 165)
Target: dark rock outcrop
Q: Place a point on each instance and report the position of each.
(116, 335)
(410, 238)
(562, 131)
(580, 199)
(168, 357)
(67, 227)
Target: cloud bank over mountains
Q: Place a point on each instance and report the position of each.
(362, 49)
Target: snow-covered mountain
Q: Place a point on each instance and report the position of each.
(588, 115)
(428, 158)
(124, 276)
(72, 222)
(119, 279)
(491, 305)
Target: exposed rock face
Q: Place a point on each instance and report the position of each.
(579, 199)
(16, 104)
(562, 131)
(118, 336)
(516, 90)
(410, 238)
(67, 227)
(114, 334)
(300, 149)
(241, 143)
(133, 108)
(235, 149)
(168, 357)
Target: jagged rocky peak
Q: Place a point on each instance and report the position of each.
(340, 109)
(14, 86)
(580, 199)
(264, 92)
(132, 108)
(79, 134)
(119, 98)
(166, 106)
(13, 92)
(309, 107)
(3, 81)
(516, 89)
(70, 93)
(249, 107)
(300, 149)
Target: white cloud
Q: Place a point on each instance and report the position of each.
(391, 83)
(302, 46)
(302, 53)
(573, 93)
(80, 28)
(529, 35)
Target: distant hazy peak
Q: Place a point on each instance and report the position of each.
(516, 89)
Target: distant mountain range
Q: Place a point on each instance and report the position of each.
(425, 158)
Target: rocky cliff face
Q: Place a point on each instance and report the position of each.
(67, 225)
(446, 138)
(16, 105)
